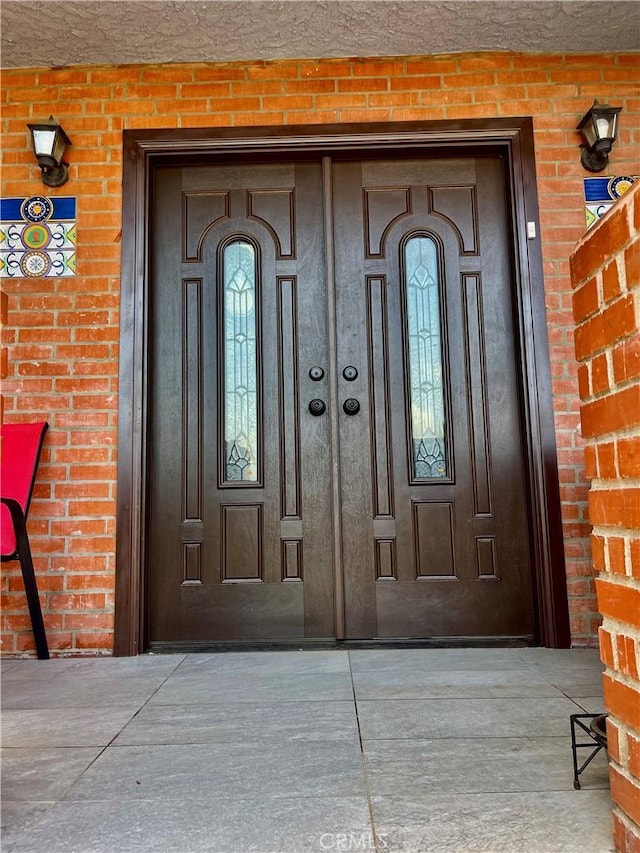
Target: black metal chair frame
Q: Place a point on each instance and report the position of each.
(597, 732)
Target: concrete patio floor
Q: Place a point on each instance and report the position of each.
(421, 750)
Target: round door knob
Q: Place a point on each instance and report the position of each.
(316, 373)
(351, 406)
(317, 407)
(350, 373)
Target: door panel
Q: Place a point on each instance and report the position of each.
(239, 478)
(435, 529)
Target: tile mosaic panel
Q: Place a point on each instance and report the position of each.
(601, 193)
(37, 237)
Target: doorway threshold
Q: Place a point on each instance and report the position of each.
(324, 644)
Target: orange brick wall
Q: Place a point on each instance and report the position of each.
(605, 270)
(62, 334)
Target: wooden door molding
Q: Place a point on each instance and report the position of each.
(513, 138)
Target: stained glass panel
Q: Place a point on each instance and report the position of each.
(240, 362)
(426, 389)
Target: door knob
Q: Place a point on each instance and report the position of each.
(350, 373)
(317, 407)
(351, 406)
(316, 373)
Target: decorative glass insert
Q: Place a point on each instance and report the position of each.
(240, 362)
(426, 389)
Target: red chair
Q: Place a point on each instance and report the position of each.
(21, 446)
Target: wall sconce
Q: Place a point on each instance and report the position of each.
(599, 128)
(49, 143)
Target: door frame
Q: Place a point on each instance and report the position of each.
(513, 138)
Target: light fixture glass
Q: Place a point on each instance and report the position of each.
(599, 127)
(49, 143)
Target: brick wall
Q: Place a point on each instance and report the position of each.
(62, 334)
(605, 270)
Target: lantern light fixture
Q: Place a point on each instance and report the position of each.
(49, 143)
(599, 127)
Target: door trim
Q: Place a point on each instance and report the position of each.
(513, 138)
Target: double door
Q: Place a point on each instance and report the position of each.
(334, 445)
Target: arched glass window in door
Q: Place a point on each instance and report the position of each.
(240, 362)
(424, 336)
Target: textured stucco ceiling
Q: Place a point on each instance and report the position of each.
(72, 32)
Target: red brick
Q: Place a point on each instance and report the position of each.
(363, 84)
(586, 300)
(633, 838)
(82, 490)
(90, 544)
(620, 834)
(622, 701)
(606, 648)
(73, 621)
(415, 83)
(611, 233)
(79, 528)
(613, 740)
(103, 581)
(598, 551)
(612, 413)
(590, 461)
(78, 601)
(614, 323)
(610, 282)
(57, 641)
(615, 507)
(324, 68)
(625, 793)
(584, 387)
(626, 360)
(629, 457)
(618, 601)
(615, 550)
(79, 564)
(48, 582)
(430, 65)
(599, 374)
(95, 640)
(209, 73)
(627, 662)
(272, 71)
(470, 81)
(91, 507)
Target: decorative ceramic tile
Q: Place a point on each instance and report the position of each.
(601, 193)
(37, 237)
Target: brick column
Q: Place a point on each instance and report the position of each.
(605, 272)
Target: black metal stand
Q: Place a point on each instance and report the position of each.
(597, 732)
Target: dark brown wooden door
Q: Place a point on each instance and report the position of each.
(433, 494)
(239, 502)
(420, 476)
